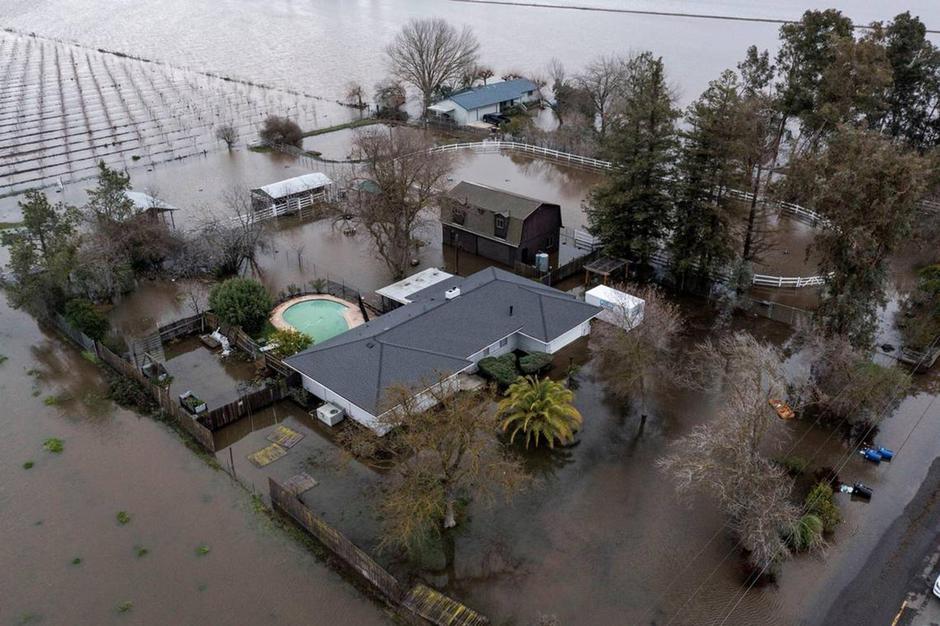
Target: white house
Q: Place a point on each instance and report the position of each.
(472, 104)
(444, 330)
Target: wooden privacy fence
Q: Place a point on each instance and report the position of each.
(420, 601)
(244, 406)
(170, 406)
(376, 575)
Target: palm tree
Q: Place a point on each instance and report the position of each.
(541, 409)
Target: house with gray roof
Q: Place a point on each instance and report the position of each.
(470, 105)
(497, 224)
(445, 330)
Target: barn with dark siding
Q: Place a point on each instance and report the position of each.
(499, 225)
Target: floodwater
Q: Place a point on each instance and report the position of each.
(65, 508)
(319, 46)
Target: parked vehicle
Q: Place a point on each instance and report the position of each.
(495, 118)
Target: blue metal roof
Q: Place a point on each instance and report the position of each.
(492, 94)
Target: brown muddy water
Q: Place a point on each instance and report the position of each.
(65, 507)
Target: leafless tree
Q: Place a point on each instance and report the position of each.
(603, 80)
(278, 130)
(726, 456)
(228, 242)
(389, 98)
(407, 179)
(430, 53)
(556, 72)
(484, 73)
(355, 93)
(439, 456)
(228, 134)
(627, 359)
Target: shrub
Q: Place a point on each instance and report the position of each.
(534, 362)
(53, 445)
(278, 130)
(83, 316)
(807, 533)
(241, 302)
(289, 342)
(130, 394)
(819, 502)
(795, 465)
(123, 517)
(501, 369)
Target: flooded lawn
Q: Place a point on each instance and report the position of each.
(69, 561)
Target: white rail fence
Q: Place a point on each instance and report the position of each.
(796, 282)
(497, 146)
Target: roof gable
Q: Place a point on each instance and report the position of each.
(473, 207)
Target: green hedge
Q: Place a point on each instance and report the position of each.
(501, 369)
(534, 362)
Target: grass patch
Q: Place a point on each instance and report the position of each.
(91, 357)
(28, 465)
(202, 550)
(54, 445)
(261, 149)
(77, 560)
(369, 121)
(125, 606)
(141, 551)
(123, 517)
(52, 400)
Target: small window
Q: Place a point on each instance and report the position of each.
(486, 351)
(500, 222)
(504, 342)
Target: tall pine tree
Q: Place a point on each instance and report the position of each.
(630, 211)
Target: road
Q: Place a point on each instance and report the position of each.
(897, 578)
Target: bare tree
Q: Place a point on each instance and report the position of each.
(556, 72)
(484, 73)
(225, 244)
(602, 80)
(278, 130)
(429, 53)
(407, 178)
(727, 455)
(389, 98)
(439, 456)
(627, 359)
(228, 134)
(355, 93)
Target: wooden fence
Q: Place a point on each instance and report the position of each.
(558, 274)
(169, 406)
(182, 328)
(420, 601)
(244, 406)
(376, 575)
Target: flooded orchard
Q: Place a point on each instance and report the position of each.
(69, 561)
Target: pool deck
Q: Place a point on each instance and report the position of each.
(351, 313)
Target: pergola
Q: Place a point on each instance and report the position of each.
(605, 267)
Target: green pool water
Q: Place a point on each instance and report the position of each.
(321, 319)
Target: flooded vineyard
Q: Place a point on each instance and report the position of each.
(64, 108)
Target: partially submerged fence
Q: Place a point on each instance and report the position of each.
(244, 406)
(555, 276)
(421, 601)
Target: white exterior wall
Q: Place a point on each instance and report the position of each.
(572, 335)
(495, 350)
(528, 344)
(353, 411)
(464, 117)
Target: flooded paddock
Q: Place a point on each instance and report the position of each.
(64, 108)
(64, 508)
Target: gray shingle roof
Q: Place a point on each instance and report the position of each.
(477, 204)
(493, 94)
(418, 342)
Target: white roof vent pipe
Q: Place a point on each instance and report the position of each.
(452, 293)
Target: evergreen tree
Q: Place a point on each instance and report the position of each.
(701, 240)
(629, 212)
(914, 96)
(806, 50)
(868, 188)
(107, 200)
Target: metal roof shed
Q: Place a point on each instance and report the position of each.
(298, 184)
(401, 291)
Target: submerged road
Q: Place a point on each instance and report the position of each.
(901, 570)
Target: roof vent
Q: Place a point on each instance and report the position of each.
(452, 293)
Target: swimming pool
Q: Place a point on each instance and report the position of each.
(321, 319)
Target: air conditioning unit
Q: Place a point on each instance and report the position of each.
(330, 414)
